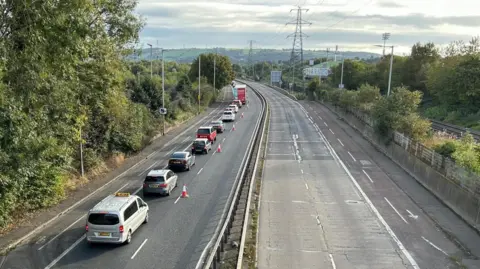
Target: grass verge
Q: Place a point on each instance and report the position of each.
(250, 252)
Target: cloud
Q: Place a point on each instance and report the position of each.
(389, 4)
(231, 23)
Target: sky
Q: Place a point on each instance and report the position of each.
(353, 25)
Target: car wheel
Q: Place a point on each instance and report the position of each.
(188, 169)
(129, 237)
(215, 139)
(205, 151)
(146, 218)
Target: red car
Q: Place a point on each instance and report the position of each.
(209, 133)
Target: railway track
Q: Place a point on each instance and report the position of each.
(454, 129)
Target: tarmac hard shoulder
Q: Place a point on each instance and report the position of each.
(38, 218)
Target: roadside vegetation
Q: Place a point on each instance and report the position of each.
(430, 83)
(64, 83)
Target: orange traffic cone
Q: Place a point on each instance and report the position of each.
(184, 191)
(219, 149)
(241, 115)
(233, 128)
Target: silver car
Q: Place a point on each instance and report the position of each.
(160, 182)
(116, 218)
(181, 160)
(202, 145)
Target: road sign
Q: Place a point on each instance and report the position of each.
(162, 111)
(275, 76)
(341, 86)
(311, 62)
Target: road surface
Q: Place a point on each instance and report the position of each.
(325, 204)
(178, 228)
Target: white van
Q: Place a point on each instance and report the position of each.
(116, 218)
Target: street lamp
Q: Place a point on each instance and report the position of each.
(391, 67)
(151, 60)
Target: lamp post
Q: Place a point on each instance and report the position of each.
(151, 60)
(391, 68)
(385, 37)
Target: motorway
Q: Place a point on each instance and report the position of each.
(178, 229)
(325, 203)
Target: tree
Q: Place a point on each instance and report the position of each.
(224, 72)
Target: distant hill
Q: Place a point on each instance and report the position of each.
(241, 55)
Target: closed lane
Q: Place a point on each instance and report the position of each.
(313, 213)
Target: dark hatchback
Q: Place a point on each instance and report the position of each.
(201, 145)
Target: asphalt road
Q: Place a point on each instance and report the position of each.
(325, 204)
(178, 228)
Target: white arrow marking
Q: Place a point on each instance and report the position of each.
(411, 215)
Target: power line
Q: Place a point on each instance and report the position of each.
(297, 47)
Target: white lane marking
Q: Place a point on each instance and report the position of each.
(331, 131)
(434, 246)
(50, 265)
(410, 214)
(310, 120)
(301, 170)
(332, 261)
(351, 156)
(201, 169)
(325, 124)
(223, 140)
(176, 201)
(320, 118)
(56, 236)
(369, 203)
(318, 219)
(340, 142)
(139, 248)
(148, 168)
(214, 153)
(369, 178)
(396, 211)
(306, 186)
(299, 202)
(168, 153)
(186, 139)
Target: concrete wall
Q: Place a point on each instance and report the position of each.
(455, 187)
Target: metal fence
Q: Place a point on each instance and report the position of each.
(455, 186)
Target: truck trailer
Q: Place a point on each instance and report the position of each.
(241, 91)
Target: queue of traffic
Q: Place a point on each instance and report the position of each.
(118, 216)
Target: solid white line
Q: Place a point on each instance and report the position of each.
(176, 201)
(50, 265)
(370, 204)
(351, 156)
(306, 186)
(56, 236)
(168, 153)
(396, 211)
(331, 131)
(325, 124)
(431, 244)
(332, 261)
(340, 142)
(139, 248)
(201, 169)
(148, 168)
(367, 176)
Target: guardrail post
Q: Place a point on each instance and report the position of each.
(218, 255)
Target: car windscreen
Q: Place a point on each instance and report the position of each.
(154, 179)
(103, 219)
(199, 143)
(203, 131)
(178, 155)
(227, 113)
(215, 123)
